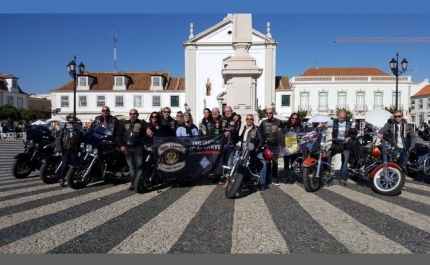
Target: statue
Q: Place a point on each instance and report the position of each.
(208, 88)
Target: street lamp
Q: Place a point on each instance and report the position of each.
(395, 69)
(186, 107)
(71, 68)
(273, 107)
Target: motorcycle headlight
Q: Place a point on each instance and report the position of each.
(36, 145)
(30, 144)
(89, 148)
(250, 146)
(96, 151)
(82, 145)
(148, 148)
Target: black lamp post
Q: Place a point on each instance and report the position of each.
(71, 68)
(395, 68)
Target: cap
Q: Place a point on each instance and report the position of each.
(71, 120)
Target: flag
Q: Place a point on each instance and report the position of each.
(294, 141)
(190, 156)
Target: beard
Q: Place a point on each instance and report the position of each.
(133, 119)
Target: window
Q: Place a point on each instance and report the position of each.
(156, 102)
(341, 100)
(20, 103)
(101, 101)
(174, 101)
(323, 100)
(64, 101)
(138, 101)
(394, 98)
(285, 100)
(360, 101)
(420, 103)
(413, 104)
(304, 101)
(378, 100)
(156, 81)
(428, 103)
(119, 101)
(83, 101)
(82, 81)
(14, 83)
(119, 80)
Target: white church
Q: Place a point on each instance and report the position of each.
(232, 64)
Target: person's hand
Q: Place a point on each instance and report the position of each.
(149, 132)
(380, 135)
(227, 134)
(123, 150)
(79, 154)
(60, 153)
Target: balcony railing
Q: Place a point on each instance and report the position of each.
(360, 107)
(323, 107)
(305, 107)
(378, 107)
(342, 106)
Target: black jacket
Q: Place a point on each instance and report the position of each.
(255, 135)
(228, 124)
(171, 123)
(131, 133)
(407, 134)
(68, 140)
(270, 131)
(112, 122)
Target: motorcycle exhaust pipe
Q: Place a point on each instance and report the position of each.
(58, 168)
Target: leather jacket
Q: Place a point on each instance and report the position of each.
(228, 124)
(257, 137)
(270, 131)
(131, 133)
(171, 123)
(68, 140)
(111, 121)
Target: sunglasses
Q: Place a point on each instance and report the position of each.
(396, 116)
(105, 110)
(154, 117)
(294, 118)
(178, 115)
(134, 113)
(269, 113)
(166, 111)
(249, 119)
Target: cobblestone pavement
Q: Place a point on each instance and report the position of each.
(105, 218)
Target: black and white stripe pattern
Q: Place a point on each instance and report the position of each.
(103, 218)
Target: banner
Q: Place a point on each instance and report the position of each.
(190, 156)
(295, 141)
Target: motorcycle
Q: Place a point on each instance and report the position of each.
(419, 161)
(103, 160)
(245, 170)
(50, 170)
(148, 177)
(38, 144)
(372, 163)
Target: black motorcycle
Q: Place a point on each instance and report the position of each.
(103, 160)
(149, 177)
(419, 161)
(38, 144)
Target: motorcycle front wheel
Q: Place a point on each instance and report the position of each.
(141, 183)
(388, 185)
(75, 178)
(47, 173)
(21, 169)
(234, 183)
(311, 182)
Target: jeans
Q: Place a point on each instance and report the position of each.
(70, 157)
(263, 170)
(344, 167)
(228, 155)
(272, 166)
(403, 158)
(288, 162)
(134, 157)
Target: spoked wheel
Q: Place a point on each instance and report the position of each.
(234, 183)
(75, 178)
(21, 169)
(48, 175)
(311, 182)
(389, 184)
(141, 183)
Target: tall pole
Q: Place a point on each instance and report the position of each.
(397, 81)
(74, 96)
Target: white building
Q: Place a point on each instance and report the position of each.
(322, 91)
(145, 91)
(420, 103)
(11, 93)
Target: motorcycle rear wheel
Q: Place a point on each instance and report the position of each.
(234, 184)
(47, 174)
(21, 169)
(141, 183)
(391, 185)
(75, 180)
(310, 181)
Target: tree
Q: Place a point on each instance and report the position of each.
(349, 113)
(9, 112)
(261, 113)
(302, 114)
(391, 109)
(30, 114)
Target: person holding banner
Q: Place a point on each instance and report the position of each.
(206, 126)
(187, 127)
(292, 127)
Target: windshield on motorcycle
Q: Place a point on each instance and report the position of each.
(39, 134)
(100, 135)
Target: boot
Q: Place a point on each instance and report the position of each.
(225, 184)
(131, 187)
(62, 183)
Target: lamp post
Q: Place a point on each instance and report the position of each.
(71, 68)
(395, 69)
(273, 107)
(186, 107)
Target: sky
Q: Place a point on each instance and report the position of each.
(39, 40)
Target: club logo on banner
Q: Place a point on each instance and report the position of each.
(188, 156)
(296, 141)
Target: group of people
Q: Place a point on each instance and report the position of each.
(129, 134)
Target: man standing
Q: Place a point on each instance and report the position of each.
(401, 134)
(106, 120)
(179, 117)
(68, 143)
(343, 130)
(216, 119)
(270, 127)
(252, 131)
(129, 137)
(231, 137)
(169, 121)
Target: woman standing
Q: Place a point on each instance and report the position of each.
(293, 124)
(206, 126)
(187, 128)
